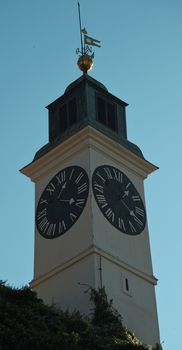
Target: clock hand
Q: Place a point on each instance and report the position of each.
(125, 205)
(139, 222)
(125, 194)
(70, 201)
(62, 188)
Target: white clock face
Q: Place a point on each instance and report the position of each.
(118, 200)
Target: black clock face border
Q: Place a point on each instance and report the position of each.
(62, 202)
(118, 199)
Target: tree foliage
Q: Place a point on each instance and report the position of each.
(26, 323)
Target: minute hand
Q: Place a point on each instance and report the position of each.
(125, 205)
(62, 188)
(135, 218)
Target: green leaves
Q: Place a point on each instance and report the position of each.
(27, 323)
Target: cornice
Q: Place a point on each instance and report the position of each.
(87, 252)
(91, 138)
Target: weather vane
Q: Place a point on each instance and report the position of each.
(86, 55)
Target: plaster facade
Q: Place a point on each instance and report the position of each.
(93, 252)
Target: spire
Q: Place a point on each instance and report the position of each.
(86, 55)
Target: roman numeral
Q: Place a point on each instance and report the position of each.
(109, 213)
(102, 201)
(108, 173)
(118, 175)
(47, 228)
(50, 231)
(100, 176)
(138, 221)
(41, 214)
(62, 226)
(54, 228)
(73, 217)
(121, 224)
(72, 171)
(101, 198)
(61, 177)
(43, 201)
(136, 198)
(82, 188)
(42, 224)
(79, 178)
(80, 203)
(104, 205)
(132, 227)
(50, 188)
(129, 183)
(139, 211)
(98, 187)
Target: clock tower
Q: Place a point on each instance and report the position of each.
(90, 213)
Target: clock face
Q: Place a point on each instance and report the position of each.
(118, 200)
(62, 202)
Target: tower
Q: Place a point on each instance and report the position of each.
(90, 214)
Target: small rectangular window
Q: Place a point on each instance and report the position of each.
(72, 112)
(101, 109)
(63, 118)
(106, 113)
(53, 126)
(111, 116)
(126, 285)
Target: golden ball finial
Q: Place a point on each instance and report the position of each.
(85, 63)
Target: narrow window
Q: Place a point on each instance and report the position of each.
(106, 113)
(63, 118)
(53, 128)
(111, 116)
(72, 112)
(101, 109)
(126, 285)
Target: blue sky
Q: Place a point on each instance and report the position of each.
(140, 62)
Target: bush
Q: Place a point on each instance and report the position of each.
(26, 323)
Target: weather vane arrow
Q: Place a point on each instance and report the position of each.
(85, 60)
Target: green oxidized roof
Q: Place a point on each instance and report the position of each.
(88, 78)
(85, 89)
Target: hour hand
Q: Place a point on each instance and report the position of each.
(70, 201)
